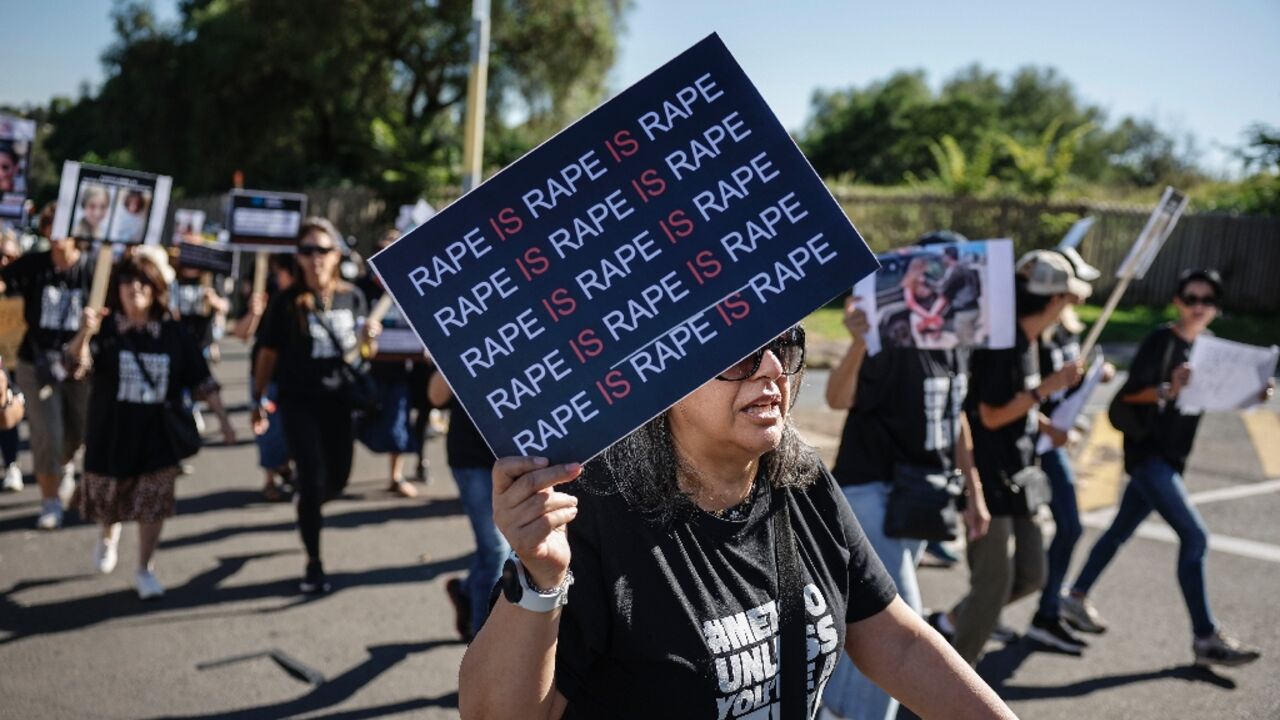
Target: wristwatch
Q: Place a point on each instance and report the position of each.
(522, 593)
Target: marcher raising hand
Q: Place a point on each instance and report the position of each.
(532, 515)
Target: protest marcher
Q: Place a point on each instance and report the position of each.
(391, 431)
(196, 304)
(1005, 391)
(471, 463)
(10, 250)
(273, 452)
(1060, 345)
(54, 286)
(904, 414)
(142, 361)
(308, 333)
(1155, 456)
(674, 569)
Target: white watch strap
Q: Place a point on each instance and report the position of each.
(536, 600)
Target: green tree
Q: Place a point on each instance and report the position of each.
(1042, 167)
(960, 173)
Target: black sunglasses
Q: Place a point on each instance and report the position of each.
(309, 250)
(1194, 300)
(787, 347)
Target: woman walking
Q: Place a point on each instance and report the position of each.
(712, 567)
(142, 360)
(308, 335)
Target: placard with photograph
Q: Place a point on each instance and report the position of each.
(614, 269)
(1158, 229)
(187, 222)
(16, 138)
(257, 219)
(111, 205)
(938, 297)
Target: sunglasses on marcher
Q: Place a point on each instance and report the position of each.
(787, 347)
(309, 250)
(1194, 300)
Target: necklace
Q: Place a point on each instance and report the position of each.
(739, 512)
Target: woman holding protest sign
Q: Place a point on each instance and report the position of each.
(1005, 392)
(1157, 441)
(690, 545)
(310, 335)
(143, 361)
(905, 422)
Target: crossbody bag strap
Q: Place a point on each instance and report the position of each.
(333, 336)
(791, 633)
(142, 366)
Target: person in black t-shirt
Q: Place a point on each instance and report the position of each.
(1005, 391)
(959, 290)
(307, 336)
(142, 360)
(196, 303)
(673, 575)
(54, 286)
(904, 410)
(1155, 463)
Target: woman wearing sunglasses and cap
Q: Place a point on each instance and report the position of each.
(652, 585)
(1155, 462)
(306, 336)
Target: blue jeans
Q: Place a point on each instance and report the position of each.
(475, 488)
(1066, 516)
(1154, 485)
(850, 694)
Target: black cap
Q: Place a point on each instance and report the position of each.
(1206, 275)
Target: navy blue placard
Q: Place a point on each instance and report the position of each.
(614, 269)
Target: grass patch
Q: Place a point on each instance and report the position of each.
(1127, 325)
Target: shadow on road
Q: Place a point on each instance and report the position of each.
(343, 687)
(202, 591)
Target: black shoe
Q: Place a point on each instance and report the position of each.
(938, 621)
(1004, 634)
(1053, 632)
(461, 607)
(314, 582)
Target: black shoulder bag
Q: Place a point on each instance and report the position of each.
(179, 424)
(925, 502)
(793, 645)
(1132, 420)
(356, 385)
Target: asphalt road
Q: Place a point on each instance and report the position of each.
(234, 639)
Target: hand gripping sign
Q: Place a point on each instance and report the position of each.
(611, 271)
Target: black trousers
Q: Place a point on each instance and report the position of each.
(321, 436)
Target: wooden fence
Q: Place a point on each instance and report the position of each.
(1246, 250)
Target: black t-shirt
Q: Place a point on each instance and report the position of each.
(125, 433)
(186, 297)
(53, 301)
(1061, 347)
(1172, 432)
(308, 363)
(995, 377)
(464, 445)
(680, 621)
(907, 411)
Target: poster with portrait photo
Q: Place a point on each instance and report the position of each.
(938, 297)
(16, 138)
(187, 222)
(111, 205)
(260, 220)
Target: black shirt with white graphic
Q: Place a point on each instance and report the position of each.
(906, 411)
(1059, 348)
(1172, 432)
(995, 377)
(186, 297)
(308, 362)
(125, 434)
(53, 300)
(681, 621)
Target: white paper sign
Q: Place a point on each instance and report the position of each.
(938, 297)
(1226, 375)
(1158, 228)
(1065, 414)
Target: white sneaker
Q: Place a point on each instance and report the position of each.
(67, 487)
(13, 479)
(104, 551)
(148, 586)
(50, 515)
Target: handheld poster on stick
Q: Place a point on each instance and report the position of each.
(111, 205)
(260, 220)
(1143, 252)
(938, 297)
(260, 272)
(187, 222)
(17, 135)
(629, 259)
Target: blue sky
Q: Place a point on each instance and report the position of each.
(1206, 68)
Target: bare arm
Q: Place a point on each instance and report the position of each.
(994, 417)
(911, 661)
(976, 516)
(263, 372)
(438, 391)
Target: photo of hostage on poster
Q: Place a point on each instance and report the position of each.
(111, 205)
(187, 222)
(595, 282)
(16, 137)
(942, 296)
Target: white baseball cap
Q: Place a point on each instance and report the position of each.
(1048, 272)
